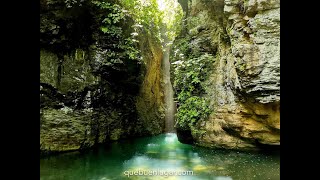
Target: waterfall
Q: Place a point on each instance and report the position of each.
(168, 92)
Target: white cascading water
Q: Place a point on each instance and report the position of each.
(168, 93)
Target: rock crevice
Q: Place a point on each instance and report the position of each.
(244, 85)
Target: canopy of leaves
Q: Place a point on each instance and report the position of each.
(153, 15)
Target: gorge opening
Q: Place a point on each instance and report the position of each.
(152, 85)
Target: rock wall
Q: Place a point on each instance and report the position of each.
(244, 85)
(84, 110)
(91, 91)
(64, 129)
(150, 102)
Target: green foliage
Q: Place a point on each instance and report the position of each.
(153, 15)
(192, 109)
(145, 14)
(114, 14)
(120, 47)
(172, 15)
(189, 75)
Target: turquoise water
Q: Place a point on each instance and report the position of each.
(159, 157)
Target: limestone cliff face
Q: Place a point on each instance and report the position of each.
(244, 85)
(91, 92)
(150, 102)
(64, 129)
(84, 110)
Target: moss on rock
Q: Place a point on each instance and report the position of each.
(243, 87)
(65, 130)
(150, 100)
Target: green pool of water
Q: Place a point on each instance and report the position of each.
(159, 157)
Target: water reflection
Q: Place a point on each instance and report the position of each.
(160, 153)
